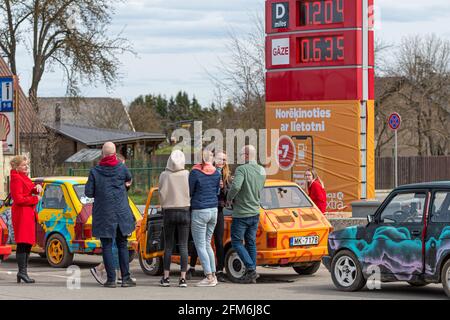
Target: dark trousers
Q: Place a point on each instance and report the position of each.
(218, 243)
(176, 221)
(244, 229)
(108, 257)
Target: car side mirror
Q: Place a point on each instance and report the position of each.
(370, 218)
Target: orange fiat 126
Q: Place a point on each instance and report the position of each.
(292, 233)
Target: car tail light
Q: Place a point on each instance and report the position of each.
(272, 240)
(87, 231)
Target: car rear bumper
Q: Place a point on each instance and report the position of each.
(290, 256)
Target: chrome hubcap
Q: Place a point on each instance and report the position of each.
(150, 264)
(236, 266)
(345, 271)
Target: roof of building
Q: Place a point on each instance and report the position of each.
(98, 136)
(89, 112)
(85, 155)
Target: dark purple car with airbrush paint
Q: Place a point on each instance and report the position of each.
(407, 239)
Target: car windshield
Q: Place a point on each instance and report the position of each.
(284, 197)
(79, 190)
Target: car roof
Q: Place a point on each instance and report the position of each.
(62, 179)
(426, 185)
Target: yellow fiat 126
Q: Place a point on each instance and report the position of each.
(292, 232)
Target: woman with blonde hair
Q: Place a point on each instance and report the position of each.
(25, 196)
(204, 186)
(316, 189)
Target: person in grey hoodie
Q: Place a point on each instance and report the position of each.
(175, 202)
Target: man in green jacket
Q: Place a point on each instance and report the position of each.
(245, 194)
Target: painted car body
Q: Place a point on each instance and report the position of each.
(277, 227)
(409, 243)
(5, 250)
(64, 210)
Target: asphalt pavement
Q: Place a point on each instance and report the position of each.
(274, 284)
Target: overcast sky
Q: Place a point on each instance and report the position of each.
(177, 40)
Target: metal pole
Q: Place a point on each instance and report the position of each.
(396, 158)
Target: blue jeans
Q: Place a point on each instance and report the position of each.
(244, 229)
(203, 222)
(123, 256)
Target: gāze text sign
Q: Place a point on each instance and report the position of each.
(320, 91)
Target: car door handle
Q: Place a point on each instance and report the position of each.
(416, 232)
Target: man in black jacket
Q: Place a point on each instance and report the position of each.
(111, 216)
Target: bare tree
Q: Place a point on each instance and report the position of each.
(145, 118)
(241, 79)
(70, 34)
(13, 15)
(424, 64)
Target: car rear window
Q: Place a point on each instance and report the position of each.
(79, 190)
(284, 197)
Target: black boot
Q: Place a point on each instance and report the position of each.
(22, 262)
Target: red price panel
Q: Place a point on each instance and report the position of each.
(321, 12)
(321, 49)
(312, 15)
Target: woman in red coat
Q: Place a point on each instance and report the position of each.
(25, 196)
(316, 189)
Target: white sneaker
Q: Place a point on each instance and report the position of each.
(99, 276)
(207, 283)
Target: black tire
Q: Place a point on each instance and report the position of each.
(356, 280)
(131, 255)
(308, 269)
(152, 267)
(445, 277)
(234, 266)
(57, 252)
(417, 283)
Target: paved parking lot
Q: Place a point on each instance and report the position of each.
(274, 284)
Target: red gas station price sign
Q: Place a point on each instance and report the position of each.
(321, 12)
(321, 49)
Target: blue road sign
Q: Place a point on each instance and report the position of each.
(6, 94)
(394, 121)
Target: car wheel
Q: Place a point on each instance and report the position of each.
(57, 252)
(417, 283)
(308, 269)
(234, 266)
(445, 277)
(152, 267)
(346, 272)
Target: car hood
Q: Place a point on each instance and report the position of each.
(353, 232)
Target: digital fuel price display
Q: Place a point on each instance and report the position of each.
(321, 12)
(320, 49)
